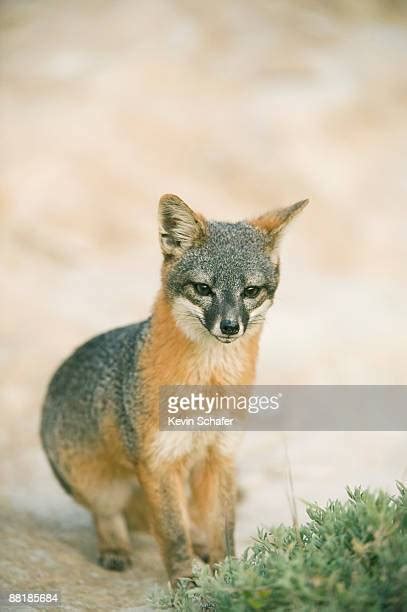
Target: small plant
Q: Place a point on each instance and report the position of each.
(349, 556)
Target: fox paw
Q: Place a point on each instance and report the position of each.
(116, 560)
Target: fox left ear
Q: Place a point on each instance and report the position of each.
(180, 226)
(274, 222)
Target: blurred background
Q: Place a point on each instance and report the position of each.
(238, 107)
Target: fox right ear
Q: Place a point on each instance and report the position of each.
(180, 227)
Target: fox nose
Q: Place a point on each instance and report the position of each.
(228, 327)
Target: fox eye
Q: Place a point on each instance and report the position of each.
(202, 289)
(251, 292)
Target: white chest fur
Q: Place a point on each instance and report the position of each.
(171, 446)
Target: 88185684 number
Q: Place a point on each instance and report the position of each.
(20, 599)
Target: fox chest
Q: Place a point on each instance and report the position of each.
(193, 446)
(212, 364)
(208, 362)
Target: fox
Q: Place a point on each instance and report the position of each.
(100, 416)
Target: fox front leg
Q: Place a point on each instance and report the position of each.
(213, 491)
(169, 520)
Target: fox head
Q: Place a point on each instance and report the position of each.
(220, 278)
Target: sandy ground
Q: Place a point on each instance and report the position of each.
(238, 107)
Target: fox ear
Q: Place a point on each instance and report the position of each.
(274, 222)
(180, 227)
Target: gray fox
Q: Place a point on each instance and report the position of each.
(100, 420)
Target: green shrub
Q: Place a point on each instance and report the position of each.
(349, 556)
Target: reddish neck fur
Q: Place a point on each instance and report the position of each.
(171, 358)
